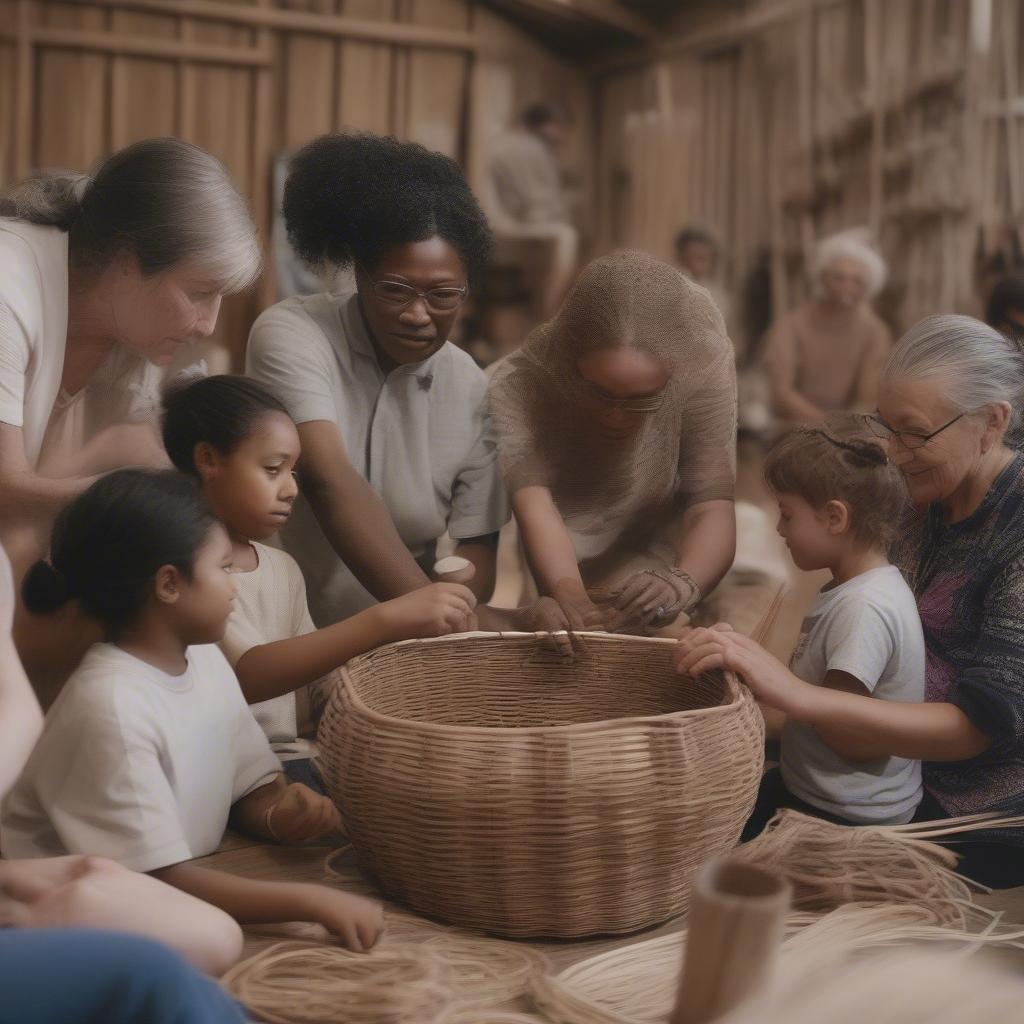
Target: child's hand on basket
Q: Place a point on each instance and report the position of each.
(434, 610)
(702, 650)
(300, 814)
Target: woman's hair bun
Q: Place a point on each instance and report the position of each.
(45, 589)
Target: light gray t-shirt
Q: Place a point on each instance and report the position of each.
(869, 628)
(419, 435)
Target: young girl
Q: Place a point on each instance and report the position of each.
(150, 746)
(240, 442)
(839, 503)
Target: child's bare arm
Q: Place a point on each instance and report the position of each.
(285, 812)
(271, 670)
(857, 728)
(355, 920)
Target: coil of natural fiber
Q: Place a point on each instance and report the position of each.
(462, 1016)
(485, 972)
(638, 984)
(493, 783)
(476, 972)
(299, 983)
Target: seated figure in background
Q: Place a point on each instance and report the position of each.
(826, 354)
(529, 195)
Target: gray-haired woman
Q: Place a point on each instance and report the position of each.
(949, 408)
(103, 282)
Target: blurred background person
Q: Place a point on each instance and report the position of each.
(699, 257)
(1005, 308)
(826, 354)
(530, 199)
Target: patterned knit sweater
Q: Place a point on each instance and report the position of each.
(968, 578)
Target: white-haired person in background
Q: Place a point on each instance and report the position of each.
(826, 354)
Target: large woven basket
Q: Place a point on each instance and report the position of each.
(491, 783)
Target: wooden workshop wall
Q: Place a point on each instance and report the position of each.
(777, 123)
(248, 79)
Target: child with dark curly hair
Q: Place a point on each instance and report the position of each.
(396, 446)
(840, 502)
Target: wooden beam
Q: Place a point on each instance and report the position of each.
(872, 54)
(608, 14)
(140, 46)
(336, 25)
(24, 104)
(707, 40)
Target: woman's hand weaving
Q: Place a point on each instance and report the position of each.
(645, 599)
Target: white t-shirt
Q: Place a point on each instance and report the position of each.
(420, 435)
(33, 336)
(271, 605)
(869, 628)
(137, 765)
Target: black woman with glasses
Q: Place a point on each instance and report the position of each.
(949, 410)
(616, 430)
(395, 442)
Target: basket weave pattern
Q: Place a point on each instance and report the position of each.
(495, 785)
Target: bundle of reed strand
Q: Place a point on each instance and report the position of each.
(638, 984)
(829, 865)
(301, 983)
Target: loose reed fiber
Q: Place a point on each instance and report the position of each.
(298, 983)
(898, 987)
(638, 984)
(495, 784)
(432, 966)
(884, 885)
(459, 1016)
(486, 972)
(829, 865)
(478, 972)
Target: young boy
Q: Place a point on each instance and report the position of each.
(839, 503)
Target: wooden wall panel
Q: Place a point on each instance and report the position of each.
(8, 86)
(366, 73)
(143, 92)
(71, 127)
(437, 81)
(310, 88)
(99, 74)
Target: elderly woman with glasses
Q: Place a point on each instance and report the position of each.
(949, 410)
(616, 430)
(395, 444)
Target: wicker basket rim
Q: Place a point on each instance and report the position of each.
(735, 689)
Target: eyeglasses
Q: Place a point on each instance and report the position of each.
(910, 439)
(649, 403)
(399, 295)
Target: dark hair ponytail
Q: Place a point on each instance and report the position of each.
(219, 411)
(108, 544)
(44, 589)
(52, 200)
